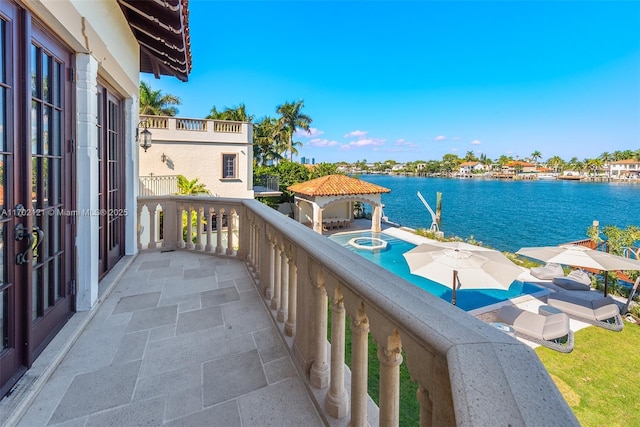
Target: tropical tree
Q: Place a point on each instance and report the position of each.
(269, 140)
(293, 118)
(191, 188)
(535, 156)
(237, 114)
(594, 165)
(155, 103)
(556, 163)
(470, 157)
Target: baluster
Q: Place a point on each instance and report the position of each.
(290, 326)
(190, 244)
(181, 243)
(250, 253)
(152, 225)
(359, 368)
(284, 285)
(275, 299)
(230, 232)
(268, 293)
(319, 375)
(200, 213)
(426, 407)
(219, 219)
(390, 360)
(337, 402)
(209, 247)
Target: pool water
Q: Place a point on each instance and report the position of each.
(391, 259)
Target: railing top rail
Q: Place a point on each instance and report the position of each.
(143, 116)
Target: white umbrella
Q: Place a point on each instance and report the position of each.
(462, 265)
(581, 256)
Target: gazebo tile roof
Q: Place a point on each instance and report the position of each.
(336, 185)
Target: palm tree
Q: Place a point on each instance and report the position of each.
(470, 157)
(269, 140)
(535, 156)
(555, 162)
(154, 103)
(292, 117)
(237, 114)
(191, 188)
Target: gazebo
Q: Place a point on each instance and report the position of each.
(329, 200)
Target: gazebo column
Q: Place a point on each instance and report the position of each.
(376, 219)
(317, 219)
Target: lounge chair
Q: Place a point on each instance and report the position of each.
(551, 331)
(548, 272)
(577, 280)
(603, 312)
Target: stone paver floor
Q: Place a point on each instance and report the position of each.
(182, 340)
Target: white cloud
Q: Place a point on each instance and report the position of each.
(404, 143)
(475, 142)
(313, 132)
(321, 142)
(456, 138)
(356, 134)
(440, 138)
(372, 143)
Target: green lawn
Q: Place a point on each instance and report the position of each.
(600, 379)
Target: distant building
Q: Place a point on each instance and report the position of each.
(625, 169)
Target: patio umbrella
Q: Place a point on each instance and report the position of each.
(583, 257)
(462, 265)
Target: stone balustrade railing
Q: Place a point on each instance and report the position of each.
(180, 128)
(468, 373)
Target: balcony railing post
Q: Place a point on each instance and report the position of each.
(139, 213)
(390, 360)
(359, 368)
(337, 402)
(180, 236)
(209, 211)
(275, 299)
(152, 224)
(200, 212)
(230, 223)
(219, 218)
(320, 370)
(190, 244)
(284, 283)
(290, 326)
(271, 247)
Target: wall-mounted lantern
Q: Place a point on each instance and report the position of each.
(144, 137)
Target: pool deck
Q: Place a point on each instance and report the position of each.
(489, 313)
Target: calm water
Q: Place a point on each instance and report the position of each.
(392, 259)
(508, 215)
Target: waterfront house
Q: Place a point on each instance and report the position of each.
(70, 141)
(515, 167)
(469, 168)
(625, 169)
(218, 153)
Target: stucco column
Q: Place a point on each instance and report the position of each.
(209, 247)
(219, 219)
(179, 223)
(189, 243)
(152, 225)
(337, 400)
(376, 219)
(359, 368)
(317, 218)
(268, 293)
(131, 181)
(390, 361)
(231, 218)
(87, 241)
(320, 370)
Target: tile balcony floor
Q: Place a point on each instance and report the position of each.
(182, 340)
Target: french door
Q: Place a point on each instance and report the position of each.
(111, 182)
(36, 188)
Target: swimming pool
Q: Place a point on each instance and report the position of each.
(390, 258)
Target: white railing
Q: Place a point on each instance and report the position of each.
(468, 373)
(158, 185)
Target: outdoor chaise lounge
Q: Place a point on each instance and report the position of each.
(548, 272)
(603, 312)
(577, 280)
(550, 330)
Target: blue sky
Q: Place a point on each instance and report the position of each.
(417, 80)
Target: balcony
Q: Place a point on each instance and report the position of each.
(167, 128)
(231, 325)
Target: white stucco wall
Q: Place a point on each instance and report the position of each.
(187, 155)
(105, 47)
